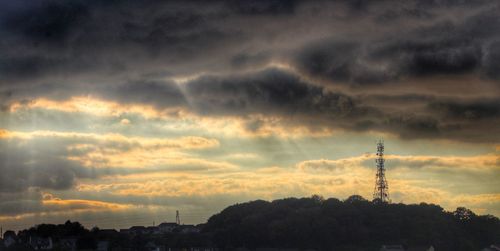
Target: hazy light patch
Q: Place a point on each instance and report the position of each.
(149, 143)
(183, 79)
(78, 205)
(92, 106)
(125, 122)
(248, 127)
(338, 165)
(51, 205)
(180, 80)
(481, 203)
(178, 119)
(457, 163)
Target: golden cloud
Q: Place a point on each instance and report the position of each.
(119, 151)
(51, 205)
(90, 105)
(252, 125)
(189, 142)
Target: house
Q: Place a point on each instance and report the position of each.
(9, 238)
(493, 247)
(193, 249)
(40, 243)
(67, 244)
(137, 230)
(422, 248)
(168, 227)
(107, 232)
(392, 248)
(150, 246)
(103, 246)
(125, 231)
(186, 229)
(153, 230)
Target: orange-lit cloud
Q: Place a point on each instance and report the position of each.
(58, 204)
(112, 138)
(91, 106)
(252, 125)
(51, 205)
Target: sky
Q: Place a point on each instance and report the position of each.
(119, 113)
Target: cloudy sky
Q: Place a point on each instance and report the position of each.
(118, 113)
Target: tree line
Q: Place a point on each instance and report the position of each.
(306, 223)
(352, 224)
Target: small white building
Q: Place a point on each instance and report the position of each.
(68, 244)
(392, 248)
(492, 247)
(150, 246)
(186, 229)
(40, 243)
(103, 246)
(168, 227)
(9, 238)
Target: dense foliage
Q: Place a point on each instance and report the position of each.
(353, 224)
(305, 223)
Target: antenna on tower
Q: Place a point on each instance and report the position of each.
(177, 217)
(381, 191)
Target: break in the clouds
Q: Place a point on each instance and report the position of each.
(170, 99)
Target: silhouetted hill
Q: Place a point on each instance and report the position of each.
(353, 224)
(305, 223)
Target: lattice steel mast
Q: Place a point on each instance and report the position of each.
(177, 217)
(381, 191)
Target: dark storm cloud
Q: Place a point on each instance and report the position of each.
(263, 7)
(443, 47)
(492, 60)
(271, 91)
(479, 110)
(280, 93)
(158, 93)
(128, 50)
(62, 38)
(378, 62)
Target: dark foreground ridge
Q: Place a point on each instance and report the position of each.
(291, 224)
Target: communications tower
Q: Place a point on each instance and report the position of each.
(177, 217)
(381, 191)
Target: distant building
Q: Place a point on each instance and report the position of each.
(392, 248)
(103, 246)
(195, 249)
(68, 244)
(9, 238)
(493, 247)
(40, 243)
(168, 227)
(107, 232)
(153, 230)
(401, 248)
(125, 231)
(137, 230)
(150, 246)
(186, 229)
(422, 248)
